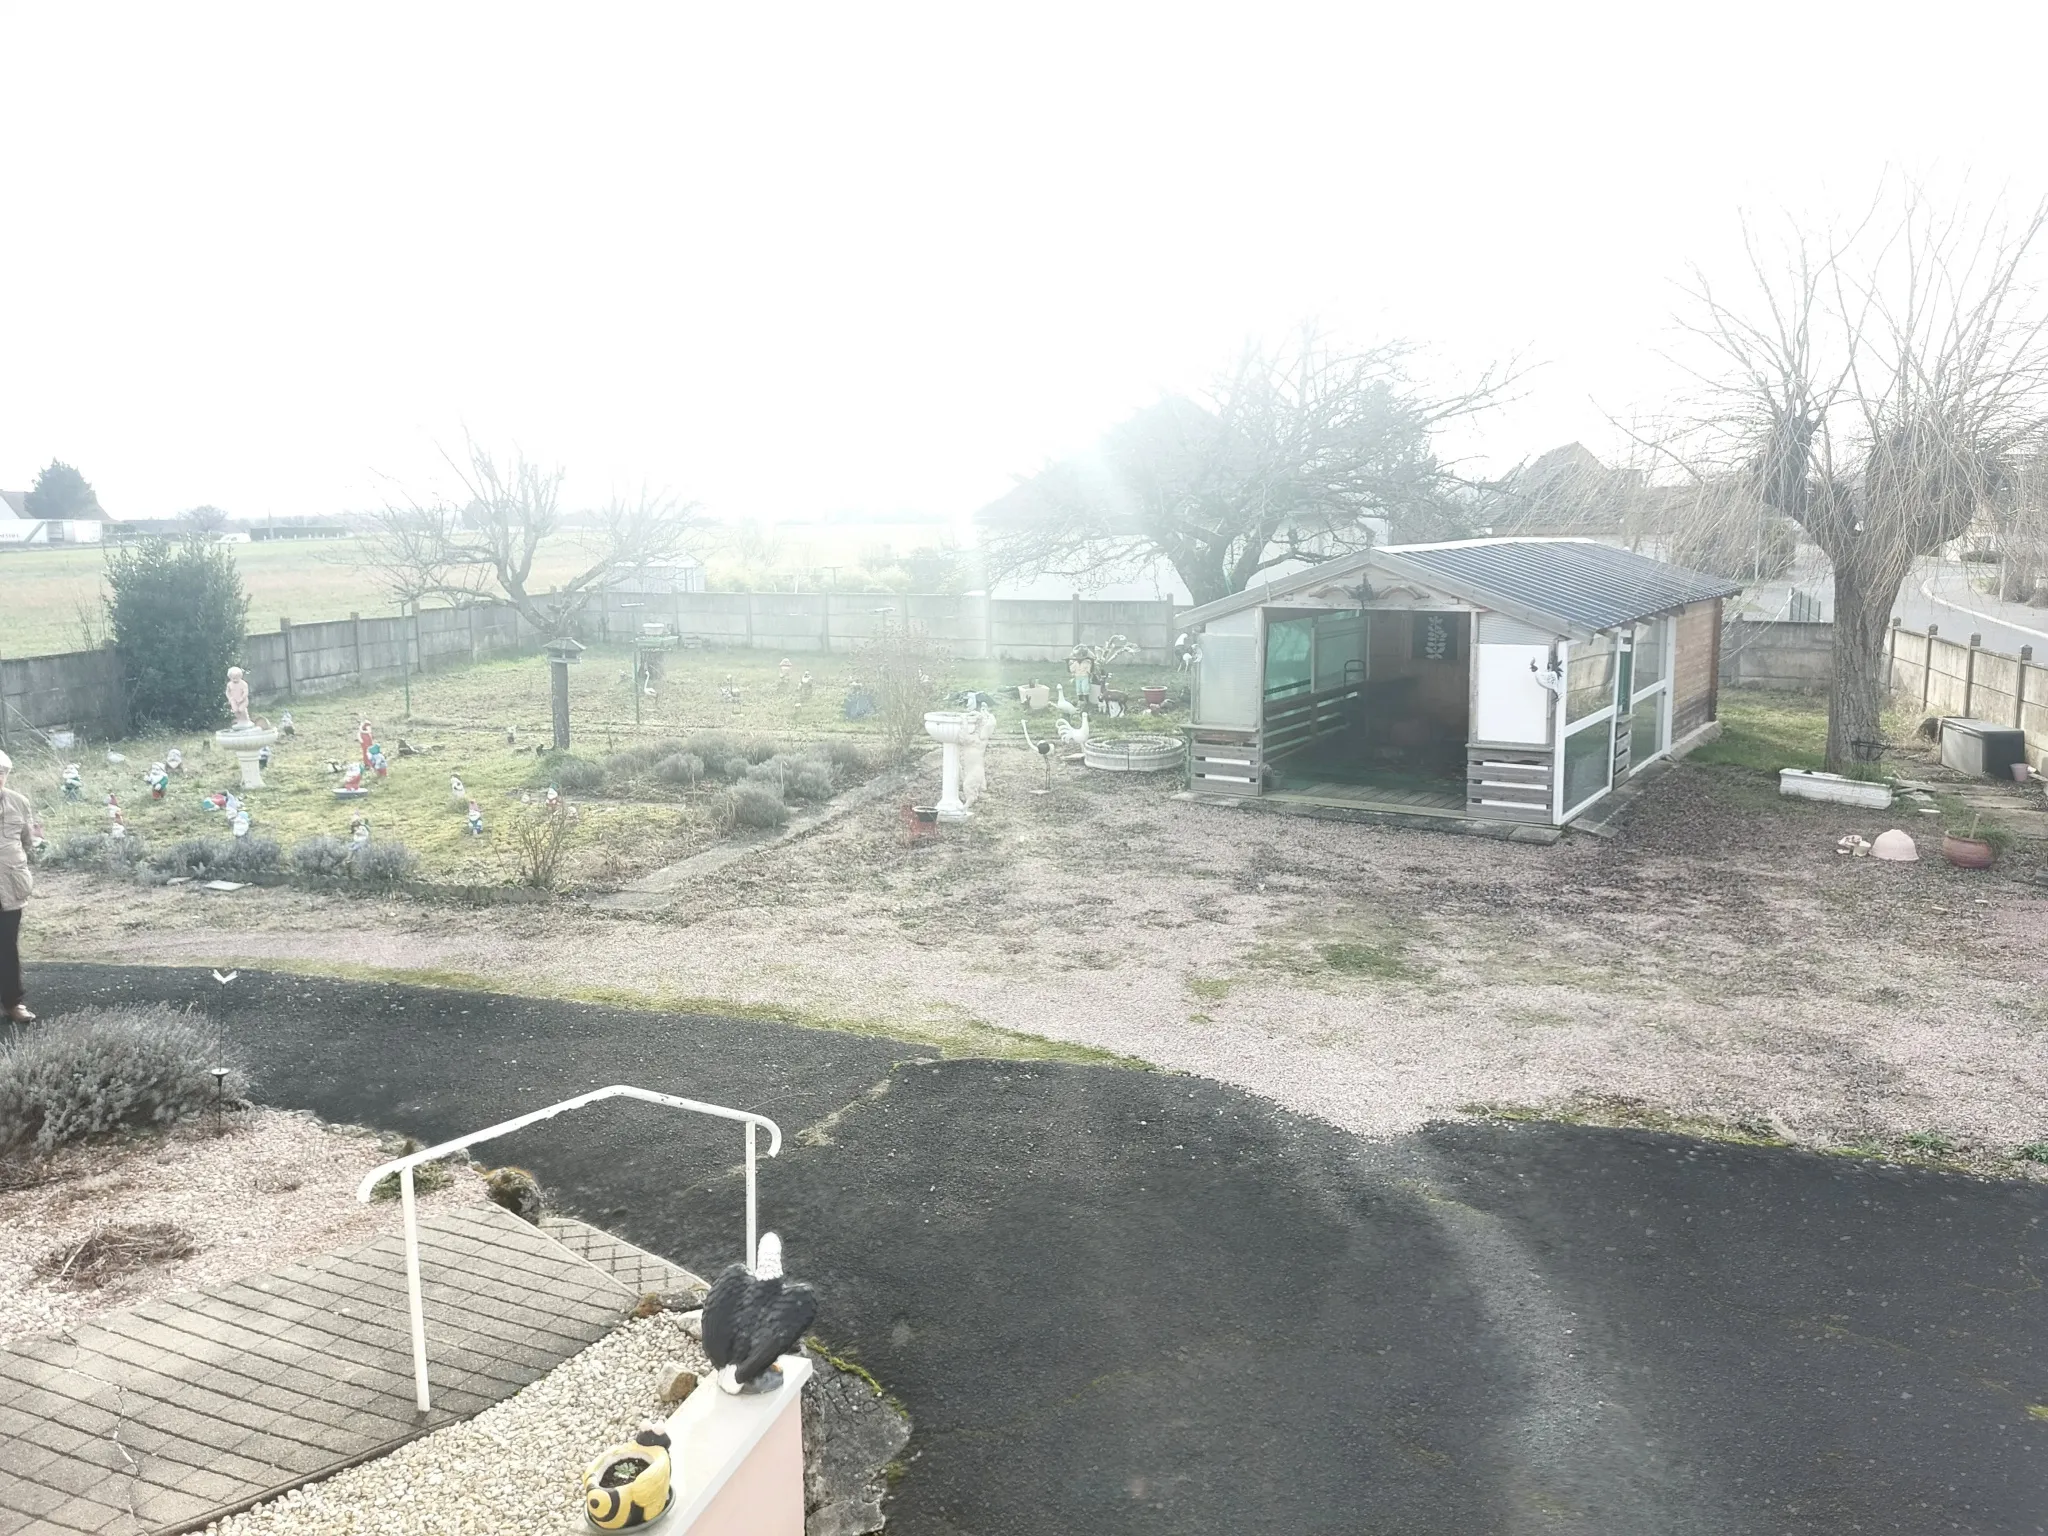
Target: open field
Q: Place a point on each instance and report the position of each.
(45, 593)
(460, 718)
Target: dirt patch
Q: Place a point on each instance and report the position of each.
(109, 1223)
(1715, 957)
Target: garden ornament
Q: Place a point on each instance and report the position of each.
(359, 830)
(628, 1486)
(377, 763)
(284, 723)
(803, 687)
(158, 780)
(456, 791)
(74, 782)
(554, 798)
(752, 1318)
(238, 698)
(230, 804)
(113, 808)
(782, 673)
(217, 801)
(263, 757)
(476, 819)
(115, 759)
(240, 825)
(364, 736)
(175, 760)
(1895, 846)
(352, 777)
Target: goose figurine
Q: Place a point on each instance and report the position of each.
(752, 1318)
(1059, 701)
(628, 1486)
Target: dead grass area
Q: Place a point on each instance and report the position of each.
(1715, 960)
(110, 1223)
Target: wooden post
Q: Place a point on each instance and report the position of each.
(1970, 674)
(284, 629)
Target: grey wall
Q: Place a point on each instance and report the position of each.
(1765, 653)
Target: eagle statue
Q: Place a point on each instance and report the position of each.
(752, 1318)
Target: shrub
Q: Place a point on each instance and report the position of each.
(639, 758)
(540, 843)
(381, 861)
(112, 1250)
(99, 851)
(322, 858)
(721, 754)
(755, 805)
(850, 760)
(794, 778)
(216, 858)
(108, 1069)
(178, 613)
(571, 775)
(758, 749)
(901, 668)
(684, 768)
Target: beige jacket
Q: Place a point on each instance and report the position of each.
(17, 837)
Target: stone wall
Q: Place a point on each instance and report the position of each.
(1779, 654)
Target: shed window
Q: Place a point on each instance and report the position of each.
(1651, 655)
(1588, 764)
(1589, 678)
(1227, 676)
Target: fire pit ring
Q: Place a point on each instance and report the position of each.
(1134, 754)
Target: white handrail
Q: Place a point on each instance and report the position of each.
(403, 1167)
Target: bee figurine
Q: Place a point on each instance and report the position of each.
(628, 1486)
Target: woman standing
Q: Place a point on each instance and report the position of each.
(17, 838)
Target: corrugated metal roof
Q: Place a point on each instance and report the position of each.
(1589, 584)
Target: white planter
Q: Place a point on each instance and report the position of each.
(1832, 787)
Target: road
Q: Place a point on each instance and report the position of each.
(1124, 1301)
(1939, 592)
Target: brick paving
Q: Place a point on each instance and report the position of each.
(635, 1268)
(166, 1414)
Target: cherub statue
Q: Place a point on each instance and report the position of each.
(238, 698)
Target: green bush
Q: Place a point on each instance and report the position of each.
(321, 858)
(217, 858)
(850, 760)
(722, 755)
(571, 775)
(385, 861)
(683, 768)
(758, 749)
(102, 852)
(794, 778)
(756, 805)
(638, 759)
(108, 1069)
(178, 612)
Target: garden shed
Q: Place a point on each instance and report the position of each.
(1514, 679)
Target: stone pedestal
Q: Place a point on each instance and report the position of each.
(949, 728)
(247, 743)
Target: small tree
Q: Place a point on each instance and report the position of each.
(61, 493)
(203, 522)
(178, 613)
(902, 669)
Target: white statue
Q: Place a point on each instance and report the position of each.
(238, 698)
(974, 757)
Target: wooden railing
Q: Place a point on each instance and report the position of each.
(1508, 783)
(1223, 762)
(1307, 718)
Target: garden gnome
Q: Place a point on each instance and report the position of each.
(238, 698)
(174, 760)
(554, 799)
(240, 825)
(74, 782)
(159, 781)
(803, 687)
(782, 674)
(113, 809)
(285, 724)
(364, 737)
(230, 804)
(352, 777)
(1081, 668)
(476, 819)
(377, 764)
(263, 758)
(456, 792)
(359, 830)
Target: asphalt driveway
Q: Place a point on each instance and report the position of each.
(1133, 1302)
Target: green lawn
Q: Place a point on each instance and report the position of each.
(460, 716)
(45, 592)
(1767, 731)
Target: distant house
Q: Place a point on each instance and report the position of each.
(18, 529)
(1515, 679)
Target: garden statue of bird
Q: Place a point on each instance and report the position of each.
(1059, 700)
(456, 792)
(1073, 735)
(752, 1318)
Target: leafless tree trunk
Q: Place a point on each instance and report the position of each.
(1879, 392)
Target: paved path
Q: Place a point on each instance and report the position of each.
(201, 1401)
(1132, 1302)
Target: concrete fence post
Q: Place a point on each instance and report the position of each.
(2019, 687)
(472, 634)
(1077, 618)
(1927, 666)
(1970, 674)
(357, 620)
(1891, 656)
(284, 630)
(750, 621)
(825, 622)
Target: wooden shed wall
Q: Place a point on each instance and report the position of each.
(1695, 668)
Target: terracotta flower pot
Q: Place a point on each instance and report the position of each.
(1154, 696)
(1967, 852)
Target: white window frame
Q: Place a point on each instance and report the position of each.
(1662, 685)
(1560, 812)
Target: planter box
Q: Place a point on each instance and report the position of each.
(1832, 787)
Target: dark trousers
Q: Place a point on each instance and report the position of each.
(10, 961)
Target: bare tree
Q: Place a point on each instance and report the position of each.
(1879, 390)
(1285, 457)
(2020, 518)
(487, 547)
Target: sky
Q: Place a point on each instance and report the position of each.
(877, 260)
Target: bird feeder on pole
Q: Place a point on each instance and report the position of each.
(561, 654)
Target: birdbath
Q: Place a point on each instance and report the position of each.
(247, 743)
(949, 728)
